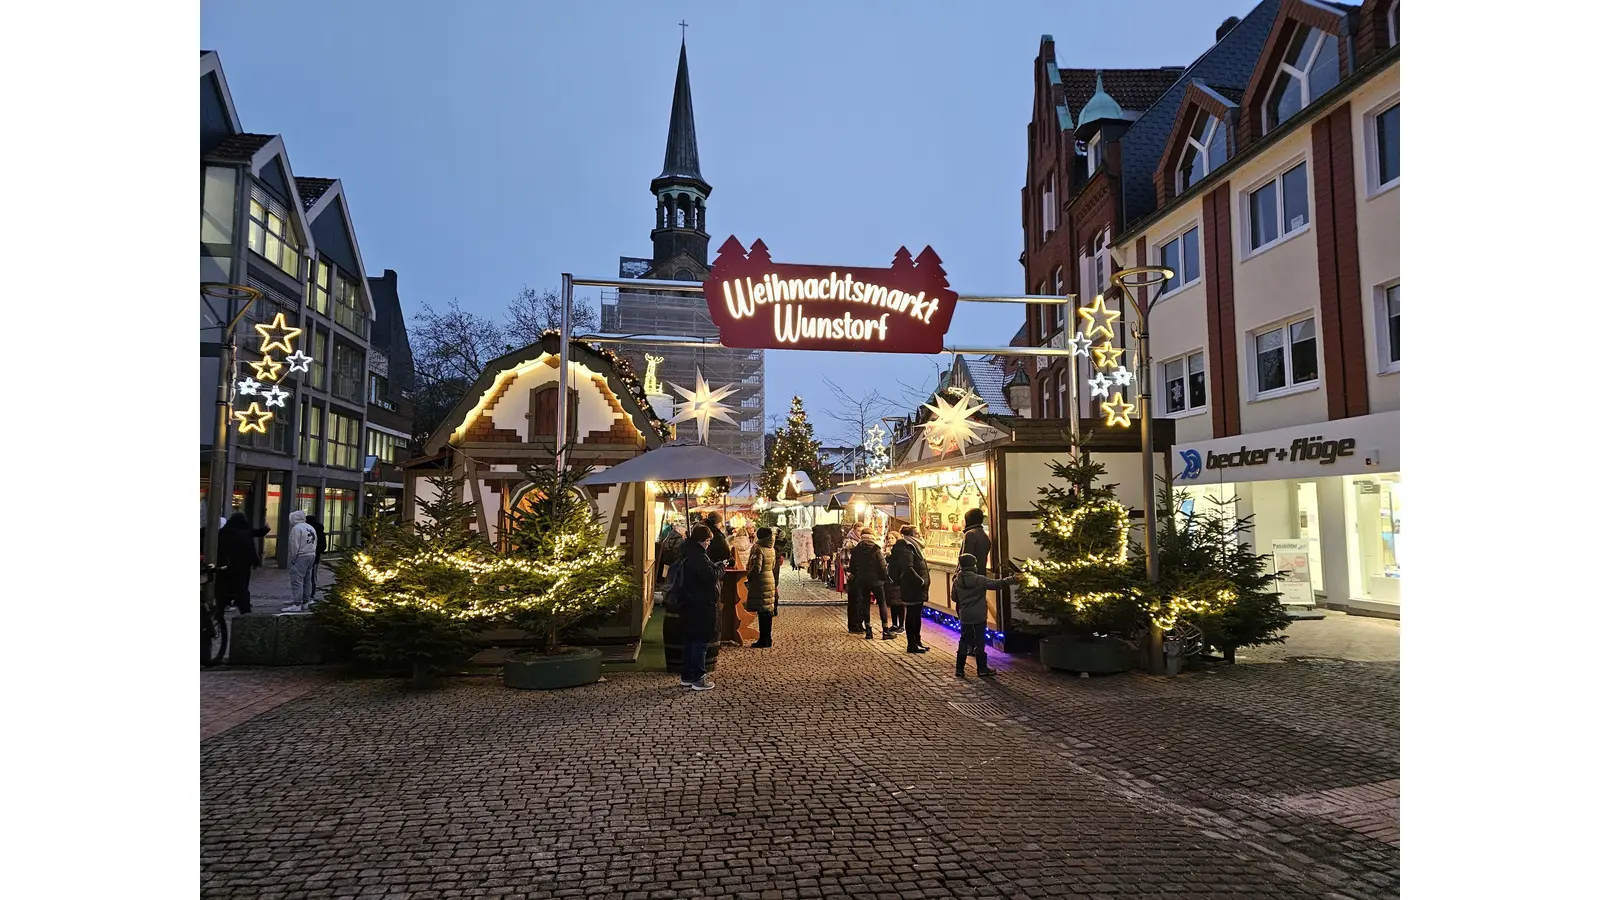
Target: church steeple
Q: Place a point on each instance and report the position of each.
(680, 189)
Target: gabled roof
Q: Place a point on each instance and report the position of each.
(1133, 89)
(988, 378)
(312, 189)
(240, 148)
(331, 193)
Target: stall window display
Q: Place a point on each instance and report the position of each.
(942, 514)
(1377, 514)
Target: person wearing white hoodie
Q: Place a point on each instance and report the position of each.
(302, 561)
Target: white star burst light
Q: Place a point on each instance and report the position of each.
(702, 405)
(952, 426)
(249, 387)
(275, 395)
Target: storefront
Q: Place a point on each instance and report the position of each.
(1329, 491)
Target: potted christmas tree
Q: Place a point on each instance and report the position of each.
(410, 597)
(1084, 581)
(559, 574)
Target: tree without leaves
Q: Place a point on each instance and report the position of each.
(533, 313)
(856, 412)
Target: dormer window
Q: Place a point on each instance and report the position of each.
(1096, 154)
(1205, 149)
(1309, 69)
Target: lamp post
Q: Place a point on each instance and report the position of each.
(1128, 281)
(227, 359)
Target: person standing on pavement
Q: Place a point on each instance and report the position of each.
(868, 569)
(909, 569)
(975, 540)
(761, 584)
(322, 544)
(971, 590)
(302, 560)
(697, 607)
(237, 555)
(891, 590)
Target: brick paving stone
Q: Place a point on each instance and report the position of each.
(827, 766)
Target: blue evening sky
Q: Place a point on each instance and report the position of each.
(488, 145)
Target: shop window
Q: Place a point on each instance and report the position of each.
(1377, 515)
(1286, 356)
(339, 517)
(1278, 209)
(1185, 381)
(344, 441)
(305, 499)
(271, 235)
(1309, 69)
(1182, 256)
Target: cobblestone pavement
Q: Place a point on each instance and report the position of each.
(827, 766)
(229, 697)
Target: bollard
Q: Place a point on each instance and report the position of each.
(1174, 651)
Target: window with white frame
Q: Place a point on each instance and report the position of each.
(1062, 403)
(1384, 145)
(1048, 211)
(1389, 327)
(1046, 316)
(1309, 69)
(1286, 355)
(1185, 381)
(1058, 287)
(1044, 397)
(1182, 256)
(1096, 154)
(1394, 23)
(1279, 208)
(1204, 150)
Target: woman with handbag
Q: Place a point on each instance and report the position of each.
(761, 584)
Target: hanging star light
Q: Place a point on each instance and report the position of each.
(1122, 377)
(877, 452)
(952, 426)
(253, 419)
(1100, 385)
(1106, 356)
(299, 362)
(286, 335)
(1080, 344)
(249, 387)
(703, 404)
(275, 395)
(1116, 411)
(1100, 319)
(268, 369)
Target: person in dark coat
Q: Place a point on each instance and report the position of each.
(697, 607)
(322, 544)
(761, 584)
(891, 590)
(975, 540)
(868, 569)
(237, 554)
(971, 591)
(909, 569)
(720, 550)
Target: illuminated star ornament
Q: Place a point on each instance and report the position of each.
(285, 335)
(1106, 356)
(249, 387)
(1099, 318)
(1122, 377)
(299, 361)
(268, 369)
(1080, 344)
(1100, 385)
(702, 404)
(1116, 411)
(275, 395)
(253, 419)
(952, 427)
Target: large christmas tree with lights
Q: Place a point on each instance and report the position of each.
(796, 449)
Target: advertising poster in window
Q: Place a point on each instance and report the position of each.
(1291, 558)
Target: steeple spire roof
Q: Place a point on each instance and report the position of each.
(683, 154)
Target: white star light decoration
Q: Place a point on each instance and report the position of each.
(275, 395)
(1100, 386)
(877, 453)
(249, 387)
(1080, 344)
(298, 361)
(952, 426)
(1122, 377)
(702, 405)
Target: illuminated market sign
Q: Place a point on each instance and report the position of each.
(762, 305)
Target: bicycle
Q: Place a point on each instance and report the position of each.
(213, 622)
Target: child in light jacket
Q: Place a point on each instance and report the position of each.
(972, 603)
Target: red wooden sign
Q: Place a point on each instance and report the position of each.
(762, 305)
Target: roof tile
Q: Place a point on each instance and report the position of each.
(312, 189)
(240, 147)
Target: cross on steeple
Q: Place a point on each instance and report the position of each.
(684, 29)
